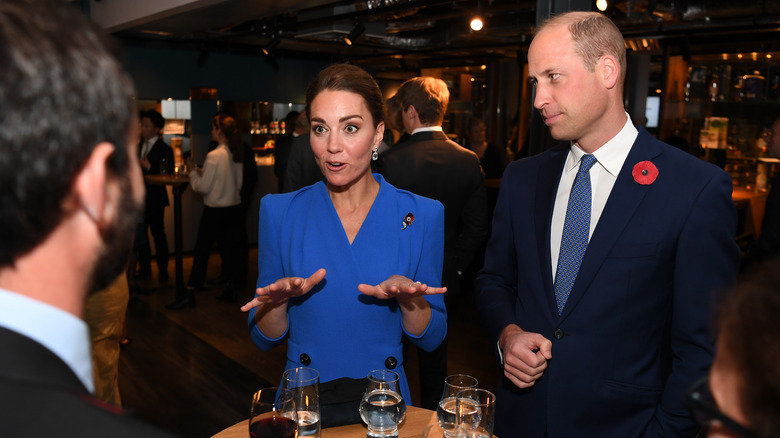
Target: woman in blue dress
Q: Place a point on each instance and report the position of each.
(350, 265)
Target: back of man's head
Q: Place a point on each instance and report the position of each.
(429, 96)
(62, 93)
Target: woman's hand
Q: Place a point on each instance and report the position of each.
(401, 288)
(280, 291)
(415, 310)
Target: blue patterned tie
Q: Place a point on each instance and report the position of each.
(576, 227)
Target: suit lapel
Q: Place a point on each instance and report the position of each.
(546, 188)
(623, 201)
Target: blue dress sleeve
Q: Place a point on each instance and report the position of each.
(269, 262)
(429, 271)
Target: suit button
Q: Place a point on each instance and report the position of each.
(558, 334)
(391, 363)
(305, 359)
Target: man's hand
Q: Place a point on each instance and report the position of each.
(525, 355)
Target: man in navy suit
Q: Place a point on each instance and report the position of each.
(156, 158)
(71, 191)
(429, 164)
(612, 355)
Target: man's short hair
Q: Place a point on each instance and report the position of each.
(155, 117)
(62, 93)
(429, 96)
(594, 35)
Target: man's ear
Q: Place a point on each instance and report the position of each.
(609, 69)
(412, 112)
(93, 187)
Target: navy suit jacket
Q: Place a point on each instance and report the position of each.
(431, 165)
(157, 195)
(634, 334)
(41, 396)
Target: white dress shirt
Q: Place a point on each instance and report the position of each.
(147, 146)
(610, 158)
(61, 332)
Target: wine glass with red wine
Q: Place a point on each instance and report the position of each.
(273, 414)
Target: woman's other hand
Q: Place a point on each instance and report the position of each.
(400, 287)
(280, 291)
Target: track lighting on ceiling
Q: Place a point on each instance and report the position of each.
(354, 34)
(271, 45)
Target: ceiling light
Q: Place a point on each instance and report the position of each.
(354, 34)
(601, 5)
(271, 45)
(476, 24)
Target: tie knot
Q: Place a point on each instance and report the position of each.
(587, 162)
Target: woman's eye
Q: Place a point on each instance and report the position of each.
(317, 129)
(351, 129)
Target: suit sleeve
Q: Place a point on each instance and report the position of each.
(706, 265)
(429, 272)
(496, 284)
(475, 222)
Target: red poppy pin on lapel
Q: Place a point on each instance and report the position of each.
(645, 172)
(407, 220)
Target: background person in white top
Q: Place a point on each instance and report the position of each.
(219, 181)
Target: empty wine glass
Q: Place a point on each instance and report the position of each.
(445, 412)
(382, 407)
(273, 414)
(304, 383)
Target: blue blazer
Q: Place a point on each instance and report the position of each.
(635, 330)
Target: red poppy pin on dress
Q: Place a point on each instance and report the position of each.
(407, 220)
(645, 172)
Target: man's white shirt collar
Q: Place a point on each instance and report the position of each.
(428, 128)
(612, 154)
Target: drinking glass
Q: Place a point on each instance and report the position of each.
(304, 384)
(273, 414)
(382, 407)
(475, 413)
(445, 413)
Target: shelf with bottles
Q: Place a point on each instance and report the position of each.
(739, 89)
(727, 77)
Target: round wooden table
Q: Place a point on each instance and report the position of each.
(412, 427)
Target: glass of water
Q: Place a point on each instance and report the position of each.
(445, 413)
(475, 413)
(382, 407)
(304, 384)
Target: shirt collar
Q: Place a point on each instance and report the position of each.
(428, 128)
(612, 154)
(62, 333)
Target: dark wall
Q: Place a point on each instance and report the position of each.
(162, 74)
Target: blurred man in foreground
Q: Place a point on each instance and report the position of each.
(70, 194)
